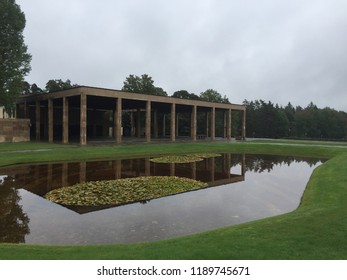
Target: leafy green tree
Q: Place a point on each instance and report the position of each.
(14, 56)
(35, 89)
(160, 92)
(143, 84)
(183, 94)
(58, 85)
(212, 95)
(30, 89)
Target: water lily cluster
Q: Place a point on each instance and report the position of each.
(184, 158)
(122, 191)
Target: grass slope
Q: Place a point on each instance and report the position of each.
(316, 230)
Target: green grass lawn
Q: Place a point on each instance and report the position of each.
(316, 230)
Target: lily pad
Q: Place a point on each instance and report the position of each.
(184, 158)
(122, 191)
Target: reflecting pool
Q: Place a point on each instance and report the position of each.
(242, 188)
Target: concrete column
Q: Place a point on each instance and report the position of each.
(244, 125)
(94, 120)
(173, 123)
(65, 120)
(138, 124)
(132, 124)
(37, 120)
(148, 121)
(229, 124)
(213, 123)
(105, 124)
(155, 125)
(25, 110)
(50, 120)
(177, 124)
(224, 124)
(193, 125)
(207, 118)
(164, 125)
(83, 119)
(118, 121)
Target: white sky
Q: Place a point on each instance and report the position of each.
(283, 51)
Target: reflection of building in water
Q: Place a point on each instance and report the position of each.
(40, 179)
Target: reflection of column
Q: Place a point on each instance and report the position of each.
(83, 119)
(147, 167)
(37, 120)
(193, 123)
(117, 168)
(50, 120)
(193, 168)
(118, 121)
(172, 169)
(212, 168)
(138, 170)
(65, 120)
(49, 177)
(243, 166)
(148, 121)
(213, 123)
(228, 165)
(244, 125)
(37, 175)
(173, 122)
(83, 171)
(65, 175)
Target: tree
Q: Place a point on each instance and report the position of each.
(213, 96)
(14, 58)
(143, 84)
(58, 85)
(183, 94)
(30, 89)
(35, 89)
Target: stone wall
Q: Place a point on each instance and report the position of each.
(14, 130)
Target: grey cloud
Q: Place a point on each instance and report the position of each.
(273, 50)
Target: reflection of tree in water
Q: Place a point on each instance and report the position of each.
(265, 163)
(13, 222)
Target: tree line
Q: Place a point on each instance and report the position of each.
(264, 119)
(143, 84)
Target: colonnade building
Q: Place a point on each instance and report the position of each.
(85, 113)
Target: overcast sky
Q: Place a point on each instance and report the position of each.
(280, 51)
